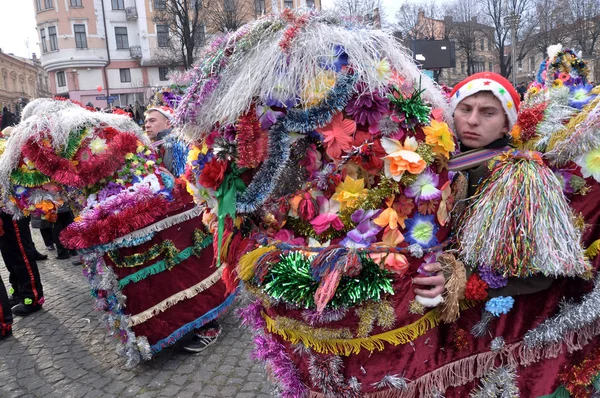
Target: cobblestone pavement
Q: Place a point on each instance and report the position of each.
(64, 351)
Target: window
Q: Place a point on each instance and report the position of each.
(160, 4)
(60, 79)
(76, 3)
(482, 44)
(53, 38)
(80, 39)
(162, 34)
(531, 63)
(48, 4)
(462, 67)
(490, 66)
(121, 37)
(288, 3)
(310, 3)
(260, 8)
(489, 44)
(118, 4)
(43, 39)
(163, 71)
(520, 64)
(44, 5)
(125, 75)
(200, 35)
(39, 5)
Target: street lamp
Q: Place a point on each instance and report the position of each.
(513, 20)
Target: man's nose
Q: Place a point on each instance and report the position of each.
(473, 118)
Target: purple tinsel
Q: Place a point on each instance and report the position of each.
(116, 203)
(111, 189)
(252, 316)
(367, 109)
(282, 367)
(493, 279)
(312, 317)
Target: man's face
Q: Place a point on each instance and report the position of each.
(155, 123)
(480, 120)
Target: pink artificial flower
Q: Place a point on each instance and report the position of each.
(328, 217)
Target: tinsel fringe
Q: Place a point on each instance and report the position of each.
(198, 323)
(593, 249)
(176, 298)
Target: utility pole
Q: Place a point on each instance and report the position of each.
(513, 20)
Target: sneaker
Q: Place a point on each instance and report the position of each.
(200, 341)
(22, 309)
(12, 301)
(50, 247)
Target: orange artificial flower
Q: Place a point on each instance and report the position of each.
(401, 158)
(394, 262)
(390, 216)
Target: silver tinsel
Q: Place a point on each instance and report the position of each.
(557, 112)
(392, 381)
(415, 250)
(571, 317)
(497, 344)
(388, 127)
(354, 384)
(481, 327)
(500, 383)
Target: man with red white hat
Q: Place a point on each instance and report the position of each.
(158, 122)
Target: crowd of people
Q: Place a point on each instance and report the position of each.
(358, 221)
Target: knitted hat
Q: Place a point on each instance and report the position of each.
(494, 83)
(167, 112)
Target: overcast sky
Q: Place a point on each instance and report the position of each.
(17, 25)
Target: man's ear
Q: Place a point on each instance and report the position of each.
(506, 128)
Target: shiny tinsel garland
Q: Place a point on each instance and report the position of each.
(395, 382)
(500, 383)
(572, 317)
(290, 281)
(296, 120)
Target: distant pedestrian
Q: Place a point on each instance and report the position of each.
(522, 89)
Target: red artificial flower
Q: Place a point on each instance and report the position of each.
(307, 208)
(213, 173)
(476, 288)
(528, 120)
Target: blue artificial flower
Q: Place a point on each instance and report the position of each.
(580, 95)
(499, 305)
(422, 230)
(336, 61)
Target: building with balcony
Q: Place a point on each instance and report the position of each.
(96, 51)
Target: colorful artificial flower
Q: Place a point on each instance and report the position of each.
(312, 160)
(476, 289)
(338, 136)
(401, 158)
(349, 191)
(446, 204)
(422, 230)
(307, 207)
(499, 305)
(394, 262)
(558, 83)
(590, 164)
(564, 178)
(213, 173)
(287, 236)
(384, 71)
(424, 187)
(367, 109)
(267, 116)
(336, 61)
(316, 90)
(328, 217)
(493, 279)
(438, 135)
(365, 232)
(580, 95)
(389, 217)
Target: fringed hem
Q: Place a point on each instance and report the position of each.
(203, 320)
(176, 298)
(465, 370)
(145, 234)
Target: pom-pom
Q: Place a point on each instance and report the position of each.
(499, 305)
(476, 288)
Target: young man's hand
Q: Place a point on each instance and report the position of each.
(433, 286)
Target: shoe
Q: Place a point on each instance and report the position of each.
(77, 262)
(12, 300)
(73, 252)
(63, 256)
(40, 257)
(50, 248)
(7, 334)
(24, 310)
(201, 341)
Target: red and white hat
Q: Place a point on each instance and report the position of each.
(166, 111)
(494, 83)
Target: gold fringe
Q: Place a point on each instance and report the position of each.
(593, 249)
(247, 261)
(174, 299)
(455, 287)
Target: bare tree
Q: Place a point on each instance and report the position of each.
(462, 26)
(549, 17)
(496, 12)
(229, 15)
(420, 21)
(182, 28)
(585, 31)
(363, 10)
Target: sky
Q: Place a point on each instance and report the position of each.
(17, 25)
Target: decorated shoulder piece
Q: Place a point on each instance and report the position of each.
(325, 152)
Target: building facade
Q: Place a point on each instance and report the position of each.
(21, 80)
(97, 51)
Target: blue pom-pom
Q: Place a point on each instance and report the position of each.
(499, 305)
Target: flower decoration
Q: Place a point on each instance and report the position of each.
(349, 191)
(97, 145)
(389, 217)
(213, 173)
(365, 232)
(394, 262)
(422, 231)
(384, 71)
(424, 187)
(493, 279)
(336, 61)
(411, 106)
(590, 164)
(476, 288)
(317, 89)
(440, 137)
(401, 158)
(580, 95)
(328, 217)
(367, 109)
(499, 305)
(267, 116)
(338, 136)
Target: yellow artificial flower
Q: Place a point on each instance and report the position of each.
(349, 191)
(384, 71)
(129, 156)
(440, 137)
(193, 154)
(140, 149)
(317, 90)
(557, 83)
